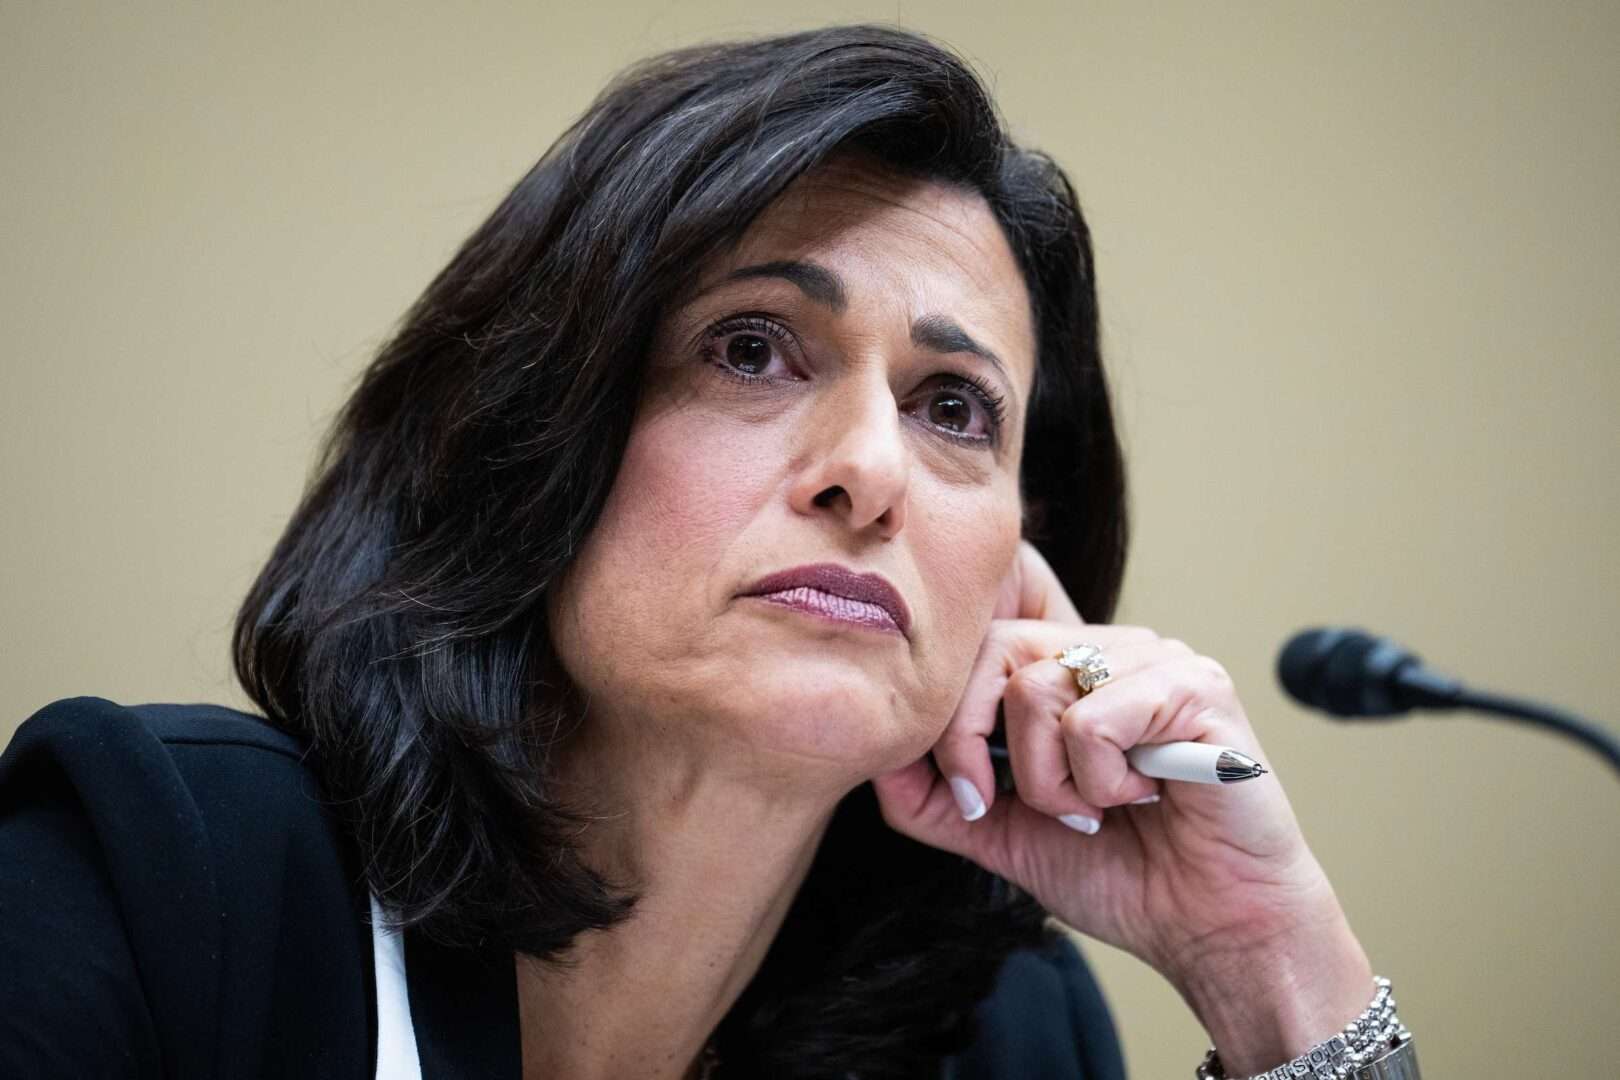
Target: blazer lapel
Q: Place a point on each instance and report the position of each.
(464, 1007)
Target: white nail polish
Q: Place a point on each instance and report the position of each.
(967, 798)
(1080, 822)
(1144, 800)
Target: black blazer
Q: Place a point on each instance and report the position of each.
(174, 901)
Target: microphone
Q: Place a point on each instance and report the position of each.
(1351, 674)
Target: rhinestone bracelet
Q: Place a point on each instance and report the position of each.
(1362, 1041)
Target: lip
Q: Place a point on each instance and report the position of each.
(839, 581)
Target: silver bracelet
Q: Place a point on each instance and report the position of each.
(1373, 1046)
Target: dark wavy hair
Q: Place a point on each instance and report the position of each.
(399, 627)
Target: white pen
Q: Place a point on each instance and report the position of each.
(1201, 763)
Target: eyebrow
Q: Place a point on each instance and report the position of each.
(936, 333)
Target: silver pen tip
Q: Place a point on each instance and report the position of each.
(1232, 767)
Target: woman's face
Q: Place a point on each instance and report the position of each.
(847, 388)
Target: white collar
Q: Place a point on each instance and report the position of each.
(396, 1035)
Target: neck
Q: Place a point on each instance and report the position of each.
(718, 848)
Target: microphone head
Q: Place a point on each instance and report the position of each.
(1345, 672)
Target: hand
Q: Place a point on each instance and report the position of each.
(1213, 885)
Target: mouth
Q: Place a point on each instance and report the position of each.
(835, 592)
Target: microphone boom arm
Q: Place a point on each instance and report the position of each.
(1350, 673)
(1597, 739)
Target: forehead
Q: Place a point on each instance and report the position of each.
(898, 242)
(845, 196)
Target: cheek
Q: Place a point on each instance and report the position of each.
(682, 495)
(965, 556)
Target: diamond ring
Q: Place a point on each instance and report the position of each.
(1088, 664)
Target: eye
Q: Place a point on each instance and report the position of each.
(748, 347)
(756, 348)
(962, 407)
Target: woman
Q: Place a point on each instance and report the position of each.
(643, 635)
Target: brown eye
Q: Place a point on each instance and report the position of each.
(750, 348)
(749, 354)
(951, 410)
(960, 408)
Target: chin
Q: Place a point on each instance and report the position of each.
(824, 710)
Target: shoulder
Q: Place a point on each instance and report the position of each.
(92, 726)
(198, 801)
(154, 764)
(196, 838)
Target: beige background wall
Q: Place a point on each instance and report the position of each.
(1359, 270)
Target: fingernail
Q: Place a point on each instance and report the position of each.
(1080, 822)
(968, 799)
(1144, 800)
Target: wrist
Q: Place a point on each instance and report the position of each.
(1274, 996)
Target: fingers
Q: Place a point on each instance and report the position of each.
(1066, 760)
(1035, 699)
(1163, 703)
(1067, 751)
(1009, 651)
(962, 753)
(1049, 742)
(1032, 590)
(1181, 697)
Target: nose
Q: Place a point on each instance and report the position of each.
(855, 465)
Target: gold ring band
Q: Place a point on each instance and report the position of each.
(1088, 664)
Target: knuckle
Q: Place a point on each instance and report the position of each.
(1178, 647)
(1074, 725)
(1215, 673)
(1077, 725)
(1042, 800)
(1025, 690)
